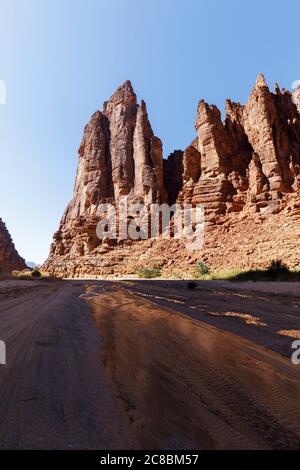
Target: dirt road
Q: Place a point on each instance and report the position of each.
(112, 365)
(54, 394)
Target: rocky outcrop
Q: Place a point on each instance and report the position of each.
(148, 161)
(191, 164)
(244, 170)
(271, 122)
(251, 160)
(9, 257)
(119, 155)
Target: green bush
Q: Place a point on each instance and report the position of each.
(149, 273)
(36, 273)
(202, 269)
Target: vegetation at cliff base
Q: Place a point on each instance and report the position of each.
(149, 273)
(276, 271)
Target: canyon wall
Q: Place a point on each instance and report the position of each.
(244, 170)
(9, 257)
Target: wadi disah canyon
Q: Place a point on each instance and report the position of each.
(100, 359)
(244, 170)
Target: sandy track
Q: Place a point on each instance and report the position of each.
(271, 320)
(53, 390)
(186, 384)
(148, 377)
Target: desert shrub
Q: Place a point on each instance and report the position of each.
(277, 270)
(149, 273)
(36, 273)
(24, 274)
(27, 274)
(177, 274)
(201, 269)
(277, 266)
(226, 274)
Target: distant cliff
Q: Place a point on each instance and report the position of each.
(9, 257)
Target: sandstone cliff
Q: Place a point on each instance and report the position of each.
(252, 160)
(9, 257)
(245, 170)
(118, 155)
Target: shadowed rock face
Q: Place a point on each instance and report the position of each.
(173, 175)
(9, 257)
(247, 166)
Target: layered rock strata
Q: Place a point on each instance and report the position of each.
(244, 170)
(250, 161)
(119, 155)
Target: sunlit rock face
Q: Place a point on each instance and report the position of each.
(245, 167)
(119, 155)
(9, 258)
(252, 159)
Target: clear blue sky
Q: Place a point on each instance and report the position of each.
(61, 59)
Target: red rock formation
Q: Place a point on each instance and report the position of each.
(266, 121)
(118, 155)
(9, 257)
(245, 171)
(121, 111)
(147, 157)
(252, 159)
(191, 164)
